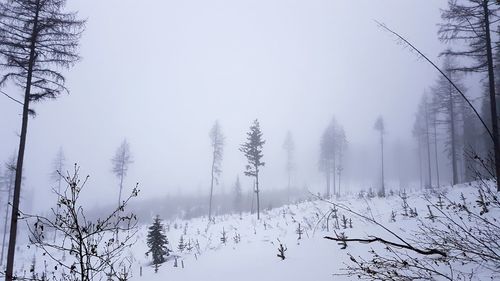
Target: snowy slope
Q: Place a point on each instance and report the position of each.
(254, 256)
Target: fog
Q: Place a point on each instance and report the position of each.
(159, 73)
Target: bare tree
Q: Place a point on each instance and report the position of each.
(217, 144)
(417, 133)
(8, 178)
(379, 126)
(289, 147)
(403, 41)
(472, 22)
(447, 101)
(252, 150)
(58, 166)
(90, 244)
(120, 164)
(421, 131)
(434, 123)
(37, 38)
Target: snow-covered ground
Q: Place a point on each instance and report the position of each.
(251, 247)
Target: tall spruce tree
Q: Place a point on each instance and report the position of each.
(252, 149)
(157, 242)
(37, 38)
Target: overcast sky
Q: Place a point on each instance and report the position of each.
(159, 73)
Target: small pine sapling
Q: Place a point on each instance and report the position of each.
(393, 216)
(483, 204)
(197, 246)
(342, 241)
(406, 207)
(223, 238)
(334, 215)
(463, 206)
(236, 238)
(281, 251)
(370, 194)
(440, 202)
(299, 232)
(189, 246)
(361, 194)
(157, 243)
(182, 245)
(430, 215)
(413, 212)
(344, 222)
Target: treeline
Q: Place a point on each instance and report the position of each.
(190, 206)
(446, 125)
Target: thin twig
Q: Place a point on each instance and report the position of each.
(11, 97)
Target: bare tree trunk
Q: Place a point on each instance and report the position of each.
(58, 192)
(20, 156)
(334, 177)
(453, 139)
(339, 183)
(493, 103)
(257, 191)
(436, 150)
(119, 200)
(253, 198)
(382, 151)
(428, 145)
(120, 192)
(211, 190)
(288, 189)
(327, 174)
(419, 152)
(6, 220)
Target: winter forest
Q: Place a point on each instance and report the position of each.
(249, 140)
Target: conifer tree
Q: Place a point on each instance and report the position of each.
(157, 242)
(252, 150)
